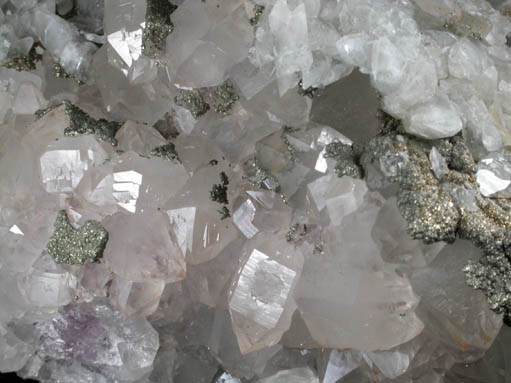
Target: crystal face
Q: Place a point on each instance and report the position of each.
(255, 191)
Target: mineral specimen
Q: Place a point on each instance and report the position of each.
(76, 247)
(255, 191)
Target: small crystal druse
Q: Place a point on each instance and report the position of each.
(158, 26)
(167, 151)
(76, 246)
(81, 123)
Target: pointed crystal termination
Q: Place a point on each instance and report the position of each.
(61, 38)
(349, 301)
(261, 303)
(143, 247)
(76, 247)
(139, 138)
(494, 175)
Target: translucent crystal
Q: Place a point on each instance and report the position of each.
(465, 60)
(225, 346)
(494, 175)
(437, 118)
(355, 50)
(387, 65)
(353, 302)
(446, 301)
(260, 301)
(260, 211)
(339, 364)
(138, 138)
(482, 134)
(96, 336)
(490, 183)
(65, 162)
(298, 375)
(201, 235)
(337, 195)
(251, 163)
(136, 299)
(290, 29)
(28, 99)
(395, 245)
(491, 368)
(140, 182)
(15, 352)
(197, 216)
(48, 289)
(151, 243)
(438, 163)
(61, 39)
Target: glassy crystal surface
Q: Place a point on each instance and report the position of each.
(155, 251)
(255, 191)
(261, 303)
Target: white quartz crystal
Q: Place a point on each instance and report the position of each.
(140, 182)
(437, 118)
(298, 375)
(490, 183)
(260, 211)
(494, 175)
(245, 255)
(261, 303)
(438, 163)
(65, 162)
(339, 364)
(61, 38)
(138, 138)
(136, 299)
(47, 285)
(336, 287)
(151, 243)
(338, 196)
(446, 301)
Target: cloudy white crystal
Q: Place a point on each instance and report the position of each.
(298, 275)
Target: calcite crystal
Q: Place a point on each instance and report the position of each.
(255, 191)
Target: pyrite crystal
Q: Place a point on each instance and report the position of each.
(255, 191)
(81, 124)
(167, 151)
(158, 26)
(76, 246)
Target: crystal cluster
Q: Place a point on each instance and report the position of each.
(255, 191)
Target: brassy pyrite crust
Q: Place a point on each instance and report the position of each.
(76, 246)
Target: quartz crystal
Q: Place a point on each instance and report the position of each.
(261, 303)
(345, 279)
(155, 251)
(255, 191)
(95, 335)
(446, 301)
(65, 162)
(493, 175)
(299, 375)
